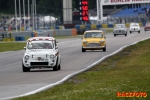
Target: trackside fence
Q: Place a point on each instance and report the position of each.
(21, 36)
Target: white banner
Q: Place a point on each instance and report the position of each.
(117, 2)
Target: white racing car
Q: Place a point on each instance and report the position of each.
(41, 52)
(120, 29)
(134, 27)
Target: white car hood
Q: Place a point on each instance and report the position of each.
(39, 51)
(120, 29)
(135, 27)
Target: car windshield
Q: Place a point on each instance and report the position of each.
(147, 24)
(93, 35)
(120, 26)
(136, 25)
(40, 45)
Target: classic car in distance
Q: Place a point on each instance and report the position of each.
(147, 27)
(93, 40)
(134, 27)
(120, 29)
(41, 52)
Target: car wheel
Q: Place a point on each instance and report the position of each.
(59, 67)
(55, 68)
(104, 49)
(25, 69)
(130, 32)
(138, 31)
(83, 50)
(114, 34)
(125, 34)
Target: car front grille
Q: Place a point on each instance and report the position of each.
(93, 44)
(120, 31)
(39, 63)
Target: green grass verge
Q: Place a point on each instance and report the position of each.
(127, 71)
(65, 37)
(109, 30)
(62, 37)
(11, 46)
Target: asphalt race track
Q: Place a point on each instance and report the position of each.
(14, 82)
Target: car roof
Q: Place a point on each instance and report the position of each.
(134, 23)
(94, 31)
(148, 23)
(41, 38)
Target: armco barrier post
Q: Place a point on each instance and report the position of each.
(104, 26)
(99, 26)
(93, 26)
(32, 34)
(3, 35)
(110, 25)
(10, 35)
(35, 34)
(127, 24)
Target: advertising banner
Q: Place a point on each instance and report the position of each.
(117, 2)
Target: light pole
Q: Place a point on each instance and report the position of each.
(24, 15)
(33, 15)
(28, 15)
(15, 15)
(20, 14)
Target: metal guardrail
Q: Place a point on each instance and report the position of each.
(54, 32)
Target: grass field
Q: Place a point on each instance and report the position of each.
(126, 72)
(12, 46)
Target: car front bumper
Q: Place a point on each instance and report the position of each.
(94, 47)
(134, 30)
(35, 63)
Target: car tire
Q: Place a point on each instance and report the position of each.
(114, 34)
(55, 68)
(125, 34)
(83, 50)
(59, 67)
(138, 31)
(25, 69)
(104, 49)
(130, 32)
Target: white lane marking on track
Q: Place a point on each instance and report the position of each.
(73, 74)
(67, 41)
(131, 36)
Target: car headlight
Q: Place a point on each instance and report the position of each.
(84, 42)
(52, 56)
(26, 57)
(101, 42)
